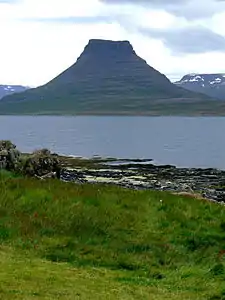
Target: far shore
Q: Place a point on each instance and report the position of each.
(118, 114)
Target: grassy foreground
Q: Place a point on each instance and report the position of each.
(64, 241)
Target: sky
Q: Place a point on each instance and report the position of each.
(41, 38)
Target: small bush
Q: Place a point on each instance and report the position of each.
(218, 270)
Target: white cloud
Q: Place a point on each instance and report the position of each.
(32, 52)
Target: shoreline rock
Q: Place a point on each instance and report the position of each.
(209, 183)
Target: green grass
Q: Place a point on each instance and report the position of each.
(64, 241)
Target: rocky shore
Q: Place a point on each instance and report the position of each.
(128, 173)
(207, 183)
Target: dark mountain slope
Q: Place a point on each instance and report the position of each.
(108, 78)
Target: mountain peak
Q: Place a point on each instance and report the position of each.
(109, 47)
(108, 42)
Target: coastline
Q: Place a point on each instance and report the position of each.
(140, 174)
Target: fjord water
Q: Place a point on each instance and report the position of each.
(181, 141)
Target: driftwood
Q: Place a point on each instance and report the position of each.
(46, 176)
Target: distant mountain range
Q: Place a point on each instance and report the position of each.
(11, 89)
(109, 78)
(212, 85)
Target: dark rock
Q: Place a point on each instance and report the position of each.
(41, 163)
(205, 182)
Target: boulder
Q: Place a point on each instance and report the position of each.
(41, 163)
(9, 156)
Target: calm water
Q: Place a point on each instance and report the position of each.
(188, 142)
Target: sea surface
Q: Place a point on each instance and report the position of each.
(180, 141)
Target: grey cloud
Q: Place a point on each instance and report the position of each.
(188, 40)
(190, 9)
(197, 10)
(75, 20)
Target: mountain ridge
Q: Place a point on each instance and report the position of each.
(211, 84)
(8, 89)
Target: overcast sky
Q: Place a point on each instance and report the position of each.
(41, 38)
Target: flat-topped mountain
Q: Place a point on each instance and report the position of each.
(11, 89)
(107, 78)
(210, 84)
(108, 68)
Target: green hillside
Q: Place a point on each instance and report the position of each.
(65, 241)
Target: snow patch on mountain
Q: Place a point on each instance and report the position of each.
(208, 79)
(212, 85)
(6, 90)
